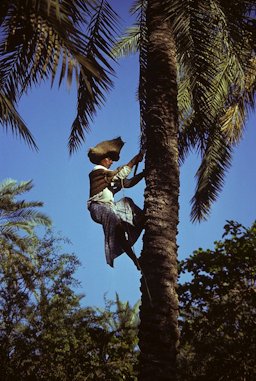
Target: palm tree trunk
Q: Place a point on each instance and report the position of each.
(158, 333)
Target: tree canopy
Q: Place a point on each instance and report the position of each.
(215, 56)
(218, 309)
(46, 332)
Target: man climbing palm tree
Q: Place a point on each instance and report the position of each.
(122, 220)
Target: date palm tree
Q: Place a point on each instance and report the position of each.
(18, 218)
(42, 39)
(18, 221)
(197, 83)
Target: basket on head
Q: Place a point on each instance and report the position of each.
(107, 148)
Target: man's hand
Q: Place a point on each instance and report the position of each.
(140, 157)
(137, 159)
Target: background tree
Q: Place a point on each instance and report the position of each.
(218, 309)
(118, 341)
(18, 221)
(19, 216)
(45, 333)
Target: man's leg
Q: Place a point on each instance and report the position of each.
(120, 232)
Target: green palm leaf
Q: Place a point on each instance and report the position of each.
(238, 106)
(125, 316)
(216, 86)
(18, 216)
(40, 39)
(101, 36)
(210, 175)
(128, 43)
(134, 40)
(9, 117)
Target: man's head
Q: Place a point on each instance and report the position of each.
(106, 162)
(107, 148)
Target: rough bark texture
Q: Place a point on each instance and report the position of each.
(158, 334)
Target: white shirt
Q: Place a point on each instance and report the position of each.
(106, 195)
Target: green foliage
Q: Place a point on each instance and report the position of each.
(101, 31)
(215, 54)
(118, 338)
(18, 217)
(40, 39)
(45, 333)
(35, 315)
(216, 86)
(218, 309)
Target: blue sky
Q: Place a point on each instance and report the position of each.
(61, 181)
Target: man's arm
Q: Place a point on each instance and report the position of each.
(137, 159)
(128, 183)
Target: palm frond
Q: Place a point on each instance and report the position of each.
(210, 175)
(37, 38)
(132, 41)
(187, 137)
(91, 93)
(10, 119)
(10, 229)
(11, 188)
(128, 43)
(225, 133)
(211, 86)
(184, 96)
(136, 6)
(180, 15)
(19, 216)
(187, 134)
(17, 206)
(240, 101)
(232, 122)
(26, 216)
(240, 16)
(125, 316)
(209, 61)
